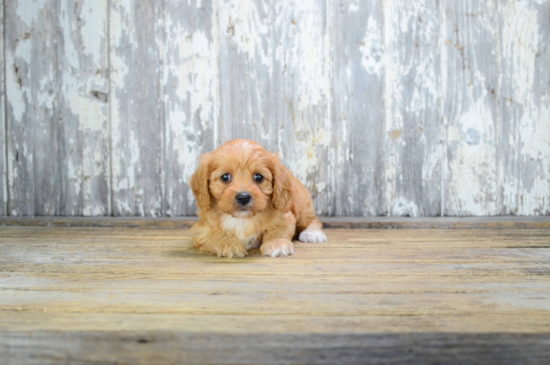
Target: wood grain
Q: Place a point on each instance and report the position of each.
(190, 82)
(303, 98)
(57, 113)
(370, 296)
(384, 108)
(3, 135)
(413, 150)
(359, 118)
(471, 108)
(33, 112)
(525, 107)
(137, 107)
(246, 46)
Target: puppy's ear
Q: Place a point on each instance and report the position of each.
(281, 186)
(200, 183)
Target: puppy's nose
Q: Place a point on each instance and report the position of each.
(243, 198)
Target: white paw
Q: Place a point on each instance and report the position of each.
(313, 235)
(277, 247)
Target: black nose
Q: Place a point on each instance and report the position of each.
(243, 198)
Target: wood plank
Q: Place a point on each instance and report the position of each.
(33, 110)
(137, 107)
(471, 108)
(273, 324)
(56, 113)
(106, 294)
(45, 347)
(302, 95)
(190, 83)
(3, 133)
(274, 84)
(357, 144)
(412, 92)
(525, 107)
(533, 222)
(246, 88)
(83, 135)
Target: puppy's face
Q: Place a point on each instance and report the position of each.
(241, 184)
(239, 178)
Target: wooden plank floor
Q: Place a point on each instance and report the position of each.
(138, 295)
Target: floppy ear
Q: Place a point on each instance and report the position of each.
(281, 186)
(199, 183)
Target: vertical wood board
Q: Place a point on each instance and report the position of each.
(33, 118)
(190, 91)
(471, 108)
(56, 113)
(302, 69)
(83, 101)
(3, 138)
(358, 119)
(137, 108)
(525, 106)
(413, 147)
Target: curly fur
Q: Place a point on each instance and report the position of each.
(280, 209)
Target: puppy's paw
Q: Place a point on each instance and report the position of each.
(312, 235)
(231, 251)
(277, 247)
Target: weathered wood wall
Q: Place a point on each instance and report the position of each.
(393, 107)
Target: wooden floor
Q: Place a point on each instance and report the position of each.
(140, 295)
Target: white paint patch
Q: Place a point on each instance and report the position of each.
(402, 207)
(523, 49)
(240, 227)
(473, 188)
(371, 48)
(28, 10)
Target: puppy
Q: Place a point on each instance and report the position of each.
(248, 199)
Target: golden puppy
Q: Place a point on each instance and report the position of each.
(248, 199)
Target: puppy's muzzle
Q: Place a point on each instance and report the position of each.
(243, 199)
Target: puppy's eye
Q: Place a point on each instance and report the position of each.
(226, 178)
(258, 178)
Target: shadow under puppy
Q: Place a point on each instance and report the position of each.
(248, 199)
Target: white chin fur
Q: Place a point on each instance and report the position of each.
(312, 235)
(241, 214)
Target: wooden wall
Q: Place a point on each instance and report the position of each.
(394, 107)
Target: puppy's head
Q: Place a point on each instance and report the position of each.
(242, 179)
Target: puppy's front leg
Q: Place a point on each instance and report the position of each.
(277, 241)
(218, 242)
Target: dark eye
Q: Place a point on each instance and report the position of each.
(226, 178)
(258, 178)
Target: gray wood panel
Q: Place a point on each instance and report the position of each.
(470, 115)
(3, 140)
(419, 108)
(137, 107)
(32, 107)
(524, 145)
(246, 89)
(359, 116)
(56, 112)
(302, 94)
(171, 347)
(83, 96)
(275, 84)
(190, 85)
(413, 147)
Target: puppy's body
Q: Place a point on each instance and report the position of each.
(261, 205)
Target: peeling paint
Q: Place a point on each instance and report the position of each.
(379, 108)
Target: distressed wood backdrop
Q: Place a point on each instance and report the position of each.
(393, 107)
